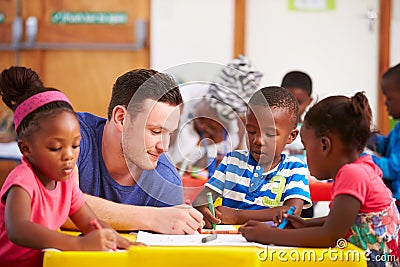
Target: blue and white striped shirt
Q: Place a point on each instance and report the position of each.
(243, 185)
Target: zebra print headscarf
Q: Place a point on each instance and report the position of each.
(233, 87)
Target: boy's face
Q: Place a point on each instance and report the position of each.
(147, 135)
(302, 98)
(268, 132)
(391, 90)
(54, 148)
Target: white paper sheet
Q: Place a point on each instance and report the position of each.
(193, 240)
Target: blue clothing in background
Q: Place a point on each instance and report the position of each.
(160, 187)
(389, 148)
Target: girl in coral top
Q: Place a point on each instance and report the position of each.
(41, 193)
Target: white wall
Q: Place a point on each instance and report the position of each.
(337, 47)
(395, 33)
(184, 31)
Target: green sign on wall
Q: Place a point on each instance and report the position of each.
(60, 17)
(2, 17)
(311, 5)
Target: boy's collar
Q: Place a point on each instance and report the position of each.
(260, 170)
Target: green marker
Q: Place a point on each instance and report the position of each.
(211, 207)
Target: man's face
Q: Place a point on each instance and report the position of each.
(146, 135)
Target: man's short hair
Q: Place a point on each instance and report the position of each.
(137, 85)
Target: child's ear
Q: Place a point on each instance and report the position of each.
(24, 148)
(118, 116)
(326, 145)
(293, 135)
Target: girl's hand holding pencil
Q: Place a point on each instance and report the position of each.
(99, 239)
(110, 239)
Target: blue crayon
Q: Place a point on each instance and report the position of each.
(285, 221)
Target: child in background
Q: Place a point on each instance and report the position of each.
(211, 124)
(334, 134)
(260, 183)
(388, 147)
(41, 193)
(300, 85)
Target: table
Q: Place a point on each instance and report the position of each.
(161, 256)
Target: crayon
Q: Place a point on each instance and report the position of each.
(285, 221)
(209, 238)
(211, 207)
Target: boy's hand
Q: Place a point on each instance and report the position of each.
(226, 215)
(279, 213)
(208, 218)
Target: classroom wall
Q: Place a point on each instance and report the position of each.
(185, 31)
(395, 33)
(193, 32)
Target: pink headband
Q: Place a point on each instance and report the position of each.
(36, 101)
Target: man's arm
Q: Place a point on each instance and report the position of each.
(182, 219)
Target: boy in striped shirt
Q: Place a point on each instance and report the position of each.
(260, 183)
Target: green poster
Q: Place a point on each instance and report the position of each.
(311, 5)
(112, 18)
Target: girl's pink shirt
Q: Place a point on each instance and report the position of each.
(49, 208)
(362, 179)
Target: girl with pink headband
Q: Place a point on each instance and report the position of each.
(40, 194)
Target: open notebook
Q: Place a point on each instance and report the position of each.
(232, 239)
